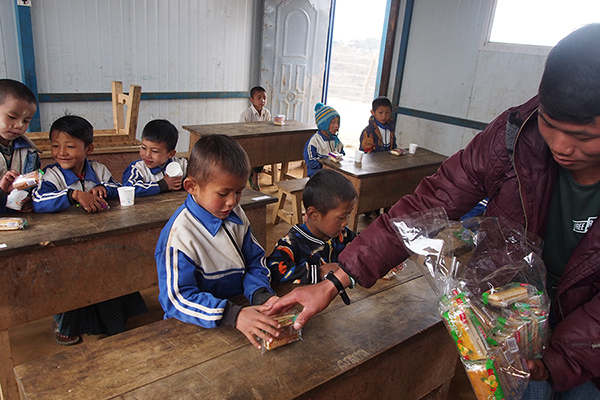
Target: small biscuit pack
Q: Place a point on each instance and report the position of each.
(490, 281)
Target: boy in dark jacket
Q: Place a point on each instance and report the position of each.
(309, 251)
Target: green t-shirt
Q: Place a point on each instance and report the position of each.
(573, 209)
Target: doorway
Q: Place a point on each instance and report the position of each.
(358, 31)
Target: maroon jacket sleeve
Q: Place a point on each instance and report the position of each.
(463, 180)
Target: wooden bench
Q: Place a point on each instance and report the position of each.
(389, 343)
(293, 188)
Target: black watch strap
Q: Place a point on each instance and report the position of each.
(338, 285)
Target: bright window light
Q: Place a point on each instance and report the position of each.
(540, 22)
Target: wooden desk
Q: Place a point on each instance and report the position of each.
(383, 178)
(388, 344)
(67, 260)
(264, 142)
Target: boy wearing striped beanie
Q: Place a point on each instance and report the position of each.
(325, 140)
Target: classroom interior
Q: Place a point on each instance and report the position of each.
(445, 81)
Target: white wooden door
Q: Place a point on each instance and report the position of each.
(293, 49)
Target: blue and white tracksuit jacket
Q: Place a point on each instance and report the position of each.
(25, 158)
(52, 194)
(149, 181)
(200, 267)
(319, 146)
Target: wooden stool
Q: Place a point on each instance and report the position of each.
(293, 188)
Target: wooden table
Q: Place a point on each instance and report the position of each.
(388, 344)
(382, 178)
(70, 259)
(264, 142)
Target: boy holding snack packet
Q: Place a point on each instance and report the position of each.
(309, 251)
(325, 140)
(19, 154)
(206, 253)
(74, 180)
(149, 176)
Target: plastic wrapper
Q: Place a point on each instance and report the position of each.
(490, 281)
(335, 156)
(27, 181)
(287, 332)
(12, 224)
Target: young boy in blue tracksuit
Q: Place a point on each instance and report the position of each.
(325, 140)
(206, 253)
(309, 251)
(147, 175)
(73, 179)
(76, 180)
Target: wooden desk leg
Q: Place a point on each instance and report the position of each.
(353, 223)
(8, 383)
(284, 170)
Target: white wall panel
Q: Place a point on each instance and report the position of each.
(448, 73)
(162, 45)
(9, 52)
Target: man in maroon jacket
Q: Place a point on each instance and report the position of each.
(539, 166)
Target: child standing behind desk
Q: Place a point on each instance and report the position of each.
(206, 254)
(19, 154)
(147, 176)
(325, 140)
(256, 113)
(306, 253)
(380, 134)
(76, 180)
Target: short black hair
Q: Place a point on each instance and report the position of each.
(75, 126)
(217, 152)
(161, 131)
(381, 101)
(326, 190)
(257, 89)
(570, 87)
(16, 89)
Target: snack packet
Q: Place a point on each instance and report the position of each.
(287, 332)
(26, 181)
(12, 224)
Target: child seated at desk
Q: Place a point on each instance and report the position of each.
(256, 113)
(76, 180)
(73, 179)
(206, 253)
(380, 134)
(147, 176)
(19, 154)
(325, 140)
(306, 253)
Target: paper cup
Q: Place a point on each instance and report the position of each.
(126, 195)
(15, 199)
(358, 156)
(173, 169)
(412, 148)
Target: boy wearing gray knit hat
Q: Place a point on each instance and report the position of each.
(325, 140)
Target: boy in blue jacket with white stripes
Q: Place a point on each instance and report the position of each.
(73, 179)
(206, 253)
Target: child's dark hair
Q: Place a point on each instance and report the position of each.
(213, 153)
(381, 101)
(161, 131)
(257, 89)
(326, 190)
(74, 126)
(17, 90)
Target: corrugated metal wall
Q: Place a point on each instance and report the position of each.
(162, 45)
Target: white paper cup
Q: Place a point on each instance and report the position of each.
(173, 169)
(15, 199)
(126, 195)
(412, 148)
(358, 156)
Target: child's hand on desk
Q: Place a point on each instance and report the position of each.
(325, 268)
(251, 322)
(7, 180)
(90, 202)
(99, 191)
(173, 182)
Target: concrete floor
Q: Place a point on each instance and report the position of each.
(36, 340)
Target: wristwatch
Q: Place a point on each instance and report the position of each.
(338, 285)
